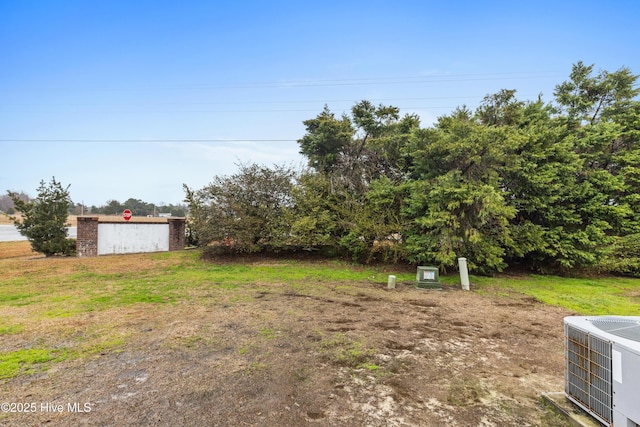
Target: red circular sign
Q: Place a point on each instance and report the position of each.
(126, 215)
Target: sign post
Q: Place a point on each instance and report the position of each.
(127, 214)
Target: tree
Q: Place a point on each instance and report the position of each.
(313, 216)
(44, 218)
(556, 225)
(500, 109)
(113, 207)
(353, 151)
(247, 211)
(364, 159)
(374, 225)
(326, 139)
(602, 122)
(587, 99)
(456, 207)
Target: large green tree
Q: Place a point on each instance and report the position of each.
(363, 157)
(586, 99)
(44, 219)
(550, 228)
(326, 140)
(602, 122)
(247, 210)
(603, 114)
(456, 207)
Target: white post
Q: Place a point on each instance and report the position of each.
(464, 273)
(391, 283)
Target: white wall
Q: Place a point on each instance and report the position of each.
(126, 238)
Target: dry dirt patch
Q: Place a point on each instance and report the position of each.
(340, 356)
(18, 249)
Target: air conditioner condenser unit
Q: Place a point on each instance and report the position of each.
(602, 367)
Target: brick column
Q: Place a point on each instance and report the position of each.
(87, 239)
(177, 233)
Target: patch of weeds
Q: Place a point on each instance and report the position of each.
(256, 367)
(103, 347)
(16, 299)
(100, 341)
(268, 333)
(465, 392)
(246, 348)
(351, 354)
(370, 367)
(61, 312)
(551, 416)
(27, 361)
(11, 329)
(146, 298)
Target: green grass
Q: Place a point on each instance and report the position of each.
(586, 296)
(25, 360)
(33, 360)
(11, 329)
(55, 294)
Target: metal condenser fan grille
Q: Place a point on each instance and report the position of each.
(624, 328)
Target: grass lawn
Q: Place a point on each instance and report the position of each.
(586, 296)
(44, 301)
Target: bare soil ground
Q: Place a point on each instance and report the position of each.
(276, 357)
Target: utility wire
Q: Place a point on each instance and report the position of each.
(316, 101)
(436, 78)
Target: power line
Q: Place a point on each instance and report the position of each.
(209, 103)
(357, 82)
(435, 78)
(316, 101)
(148, 112)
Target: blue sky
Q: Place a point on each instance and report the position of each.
(125, 99)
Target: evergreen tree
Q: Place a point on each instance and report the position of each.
(456, 207)
(44, 218)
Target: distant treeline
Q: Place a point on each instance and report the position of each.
(137, 207)
(112, 207)
(547, 186)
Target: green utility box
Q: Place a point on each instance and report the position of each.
(427, 278)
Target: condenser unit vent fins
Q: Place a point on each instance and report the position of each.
(588, 373)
